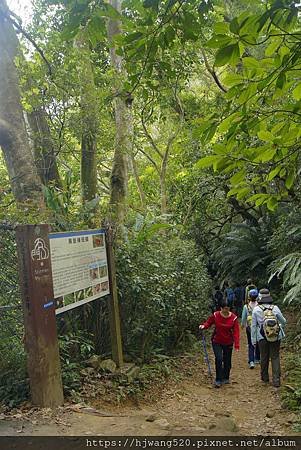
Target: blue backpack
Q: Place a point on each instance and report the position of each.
(230, 296)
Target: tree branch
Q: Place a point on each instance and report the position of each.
(149, 158)
(31, 40)
(149, 136)
(240, 209)
(212, 72)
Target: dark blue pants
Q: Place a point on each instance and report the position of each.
(223, 356)
(254, 352)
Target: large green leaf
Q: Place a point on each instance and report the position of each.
(207, 161)
(272, 47)
(250, 62)
(272, 203)
(265, 135)
(266, 156)
(219, 40)
(232, 79)
(226, 123)
(274, 173)
(297, 92)
(221, 28)
(290, 179)
(229, 54)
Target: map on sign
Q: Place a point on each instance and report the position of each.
(79, 268)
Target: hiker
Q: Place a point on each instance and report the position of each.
(267, 322)
(239, 296)
(217, 299)
(250, 285)
(229, 295)
(226, 333)
(246, 322)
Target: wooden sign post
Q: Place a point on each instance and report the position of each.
(115, 331)
(41, 341)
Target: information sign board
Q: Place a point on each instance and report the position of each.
(79, 268)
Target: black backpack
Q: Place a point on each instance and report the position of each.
(218, 297)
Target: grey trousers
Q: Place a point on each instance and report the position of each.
(270, 350)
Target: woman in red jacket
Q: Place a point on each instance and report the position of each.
(226, 334)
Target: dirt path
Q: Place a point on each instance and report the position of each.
(192, 407)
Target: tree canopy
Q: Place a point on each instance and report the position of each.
(164, 116)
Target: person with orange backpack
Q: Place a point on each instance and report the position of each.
(246, 322)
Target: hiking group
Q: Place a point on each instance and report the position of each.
(263, 322)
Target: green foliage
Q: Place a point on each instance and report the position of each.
(288, 268)
(75, 348)
(164, 291)
(258, 134)
(285, 244)
(67, 211)
(13, 378)
(150, 376)
(14, 383)
(292, 397)
(243, 253)
(14, 386)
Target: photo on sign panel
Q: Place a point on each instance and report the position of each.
(59, 302)
(96, 289)
(98, 240)
(69, 299)
(104, 286)
(94, 273)
(79, 295)
(103, 271)
(88, 292)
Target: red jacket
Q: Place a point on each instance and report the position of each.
(226, 329)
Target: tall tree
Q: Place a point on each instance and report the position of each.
(25, 182)
(44, 147)
(90, 121)
(124, 123)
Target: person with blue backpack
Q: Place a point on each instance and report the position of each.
(239, 293)
(229, 295)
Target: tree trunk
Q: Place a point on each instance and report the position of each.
(137, 179)
(25, 182)
(163, 193)
(26, 185)
(44, 149)
(90, 122)
(124, 126)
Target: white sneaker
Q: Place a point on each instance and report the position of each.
(251, 365)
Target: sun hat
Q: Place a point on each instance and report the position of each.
(264, 296)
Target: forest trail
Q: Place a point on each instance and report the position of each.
(189, 408)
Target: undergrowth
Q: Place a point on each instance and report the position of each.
(291, 392)
(146, 385)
